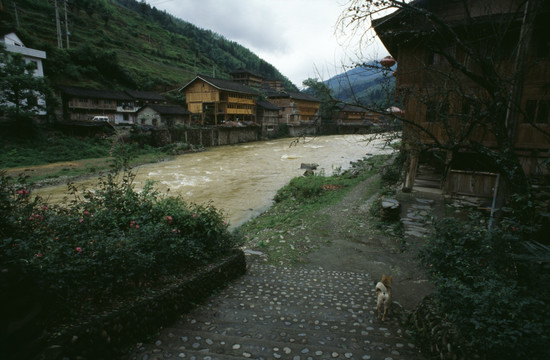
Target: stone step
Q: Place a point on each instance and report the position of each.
(283, 313)
(305, 335)
(178, 343)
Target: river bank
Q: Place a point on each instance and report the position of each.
(241, 180)
(342, 233)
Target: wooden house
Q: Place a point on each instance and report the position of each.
(162, 115)
(142, 98)
(82, 104)
(217, 101)
(268, 117)
(355, 115)
(247, 77)
(273, 85)
(297, 108)
(460, 67)
(352, 119)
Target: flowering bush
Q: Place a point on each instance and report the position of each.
(110, 241)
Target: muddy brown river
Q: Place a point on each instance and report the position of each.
(241, 180)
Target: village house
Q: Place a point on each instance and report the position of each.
(142, 98)
(82, 104)
(268, 116)
(247, 77)
(217, 101)
(445, 86)
(13, 44)
(352, 119)
(297, 108)
(162, 115)
(255, 80)
(116, 107)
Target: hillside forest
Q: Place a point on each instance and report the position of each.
(125, 44)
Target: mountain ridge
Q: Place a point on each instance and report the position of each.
(363, 83)
(125, 44)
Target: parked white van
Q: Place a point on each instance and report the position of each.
(101, 118)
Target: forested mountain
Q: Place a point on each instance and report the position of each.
(125, 44)
(366, 84)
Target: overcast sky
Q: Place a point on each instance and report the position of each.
(298, 37)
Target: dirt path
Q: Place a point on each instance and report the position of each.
(356, 246)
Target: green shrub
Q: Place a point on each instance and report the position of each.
(301, 188)
(498, 304)
(110, 241)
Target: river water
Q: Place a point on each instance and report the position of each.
(241, 180)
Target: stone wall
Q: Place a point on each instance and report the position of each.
(108, 335)
(215, 136)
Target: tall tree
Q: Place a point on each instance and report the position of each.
(20, 90)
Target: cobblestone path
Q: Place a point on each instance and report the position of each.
(285, 313)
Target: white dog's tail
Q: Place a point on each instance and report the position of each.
(381, 288)
(382, 291)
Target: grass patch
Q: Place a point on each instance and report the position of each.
(55, 156)
(296, 223)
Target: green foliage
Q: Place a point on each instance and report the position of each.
(109, 241)
(54, 147)
(498, 304)
(301, 188)
(392, 174)
(20, 90)
(128, 43)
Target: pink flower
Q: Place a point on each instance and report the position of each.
(86, 212)
(137, 226)
(169, 218)
(39, 255)
(20, 192)
(195, 215)
(44, 207)
(81, 220)
(78, 249)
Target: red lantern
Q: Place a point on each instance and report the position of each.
(387, 61)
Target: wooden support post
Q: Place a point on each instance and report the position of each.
(410, 171)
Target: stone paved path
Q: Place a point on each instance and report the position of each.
(285, 313)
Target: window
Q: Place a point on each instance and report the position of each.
(537, 111)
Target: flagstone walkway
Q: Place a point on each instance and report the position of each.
(285, 313)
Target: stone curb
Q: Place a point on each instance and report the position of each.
(109, 335)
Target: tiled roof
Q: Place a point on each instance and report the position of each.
(267, 105)
(94, 93)
(145, 95)
(352, 108)
(245, 71)
(226, 85)
(294, 95)
(169, 109)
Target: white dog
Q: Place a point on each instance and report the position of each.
(383, 293)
